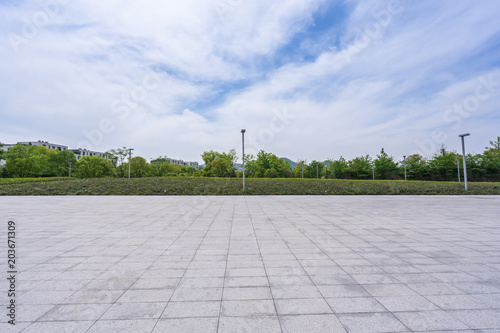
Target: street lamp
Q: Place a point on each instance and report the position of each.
(129, 160)
(302, 169)
(458, 168)
(404, 158)
(317, 171)
(243, 148)
(463, 153)
(373, 171)
(69, 169)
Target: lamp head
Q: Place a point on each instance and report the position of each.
(462, 135)
(243, 131)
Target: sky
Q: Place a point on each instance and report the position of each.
(307, 79)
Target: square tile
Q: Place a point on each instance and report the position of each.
(302, 306)
(192, 309)
(311, 324)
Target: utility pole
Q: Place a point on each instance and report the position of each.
(404, 157)
(463, 153)
(243, 148)
(129, 160)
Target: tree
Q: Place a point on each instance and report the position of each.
(385, 167)
(443, 166)
(271, 173)
(300, 169)
(315, 169)
(93, 167)
(416, 167)
(26, 161)
(59, 162)
(360, 167)
(219, 164)
(264, 162)
(337, 168)
(118, 157)
(476, 170)
(138, 167)
(2, 152)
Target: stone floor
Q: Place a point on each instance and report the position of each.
(254, 264)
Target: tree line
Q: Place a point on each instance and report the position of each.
(39, 161)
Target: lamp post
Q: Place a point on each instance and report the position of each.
(317, 171)
(243, 148)
(373, 171)
(458, 168)
(302, 169)
(129, 160)
(463, 153)
(404, 158)
(69, 168)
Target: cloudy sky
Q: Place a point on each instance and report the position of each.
(307, 79)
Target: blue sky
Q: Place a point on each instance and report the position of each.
(306, 79)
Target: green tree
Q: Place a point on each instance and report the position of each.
(416, 168)
(300, 169)
(360, 167)
(315, 169)
(59, 162)
(491, 158)
(219, 164)
(271, 173)
(476, 170)
(338, 169)
(26, 161)
(264, 162)
(93, 167)
(119, 159)
(138, 167)
(385, 167)
(443, 165)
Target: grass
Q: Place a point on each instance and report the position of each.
(9, 181)
(224, 186)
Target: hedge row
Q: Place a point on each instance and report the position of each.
(224, 186)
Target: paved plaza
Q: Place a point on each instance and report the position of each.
(253, 264)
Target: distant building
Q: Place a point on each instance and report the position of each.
(79, 153)
(183, 163)
(6, 146)
(43, 143)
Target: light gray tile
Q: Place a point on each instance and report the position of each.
(311, 324)
(75, 312)
(371, 323)
(479, 319)
(406, 303)
(246, 293)
(192, 309)
(136, 326)
(248, 308)
(187, 325)
(302, 306)
(58, 326)
(430, 321)
(261, 324)
(355, 305)
(134, 311)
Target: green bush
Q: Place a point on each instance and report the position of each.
(254, 186)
